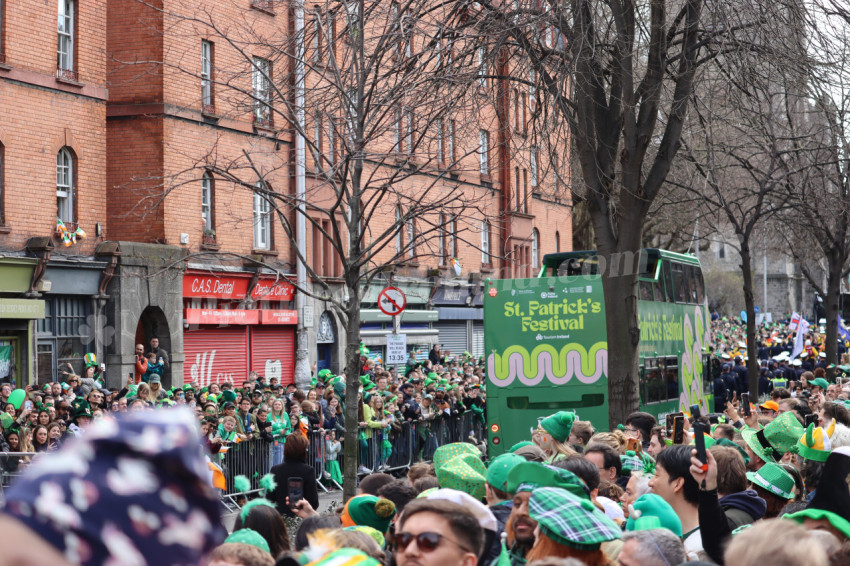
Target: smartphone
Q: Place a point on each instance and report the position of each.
(633, 444)
(28, 405)
(296, 491)
(669, 420)
(730, 396)
(678, 429)
(745, 405)
(811, 419)
(131, 375)
(699, 441)
(695, 412)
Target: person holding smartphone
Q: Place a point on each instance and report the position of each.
(294, 467)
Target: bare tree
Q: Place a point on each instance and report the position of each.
(377, 98)
(616, 78)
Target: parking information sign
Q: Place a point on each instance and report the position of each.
(396, 349)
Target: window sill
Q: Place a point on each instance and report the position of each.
(211, 247)
(67, 77)
(264, 6)
(488, 268)
(5, 229)
(208, 111)
(268, 253)
(520, 214)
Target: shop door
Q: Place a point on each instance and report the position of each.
(273, 352)
(323, 356)
(217, 355)
(452, 337)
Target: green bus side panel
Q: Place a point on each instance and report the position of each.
(546, 351)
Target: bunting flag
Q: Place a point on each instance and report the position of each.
(842, 330)
(800, 340)
(795, 321)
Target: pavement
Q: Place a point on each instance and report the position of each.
(326, 500)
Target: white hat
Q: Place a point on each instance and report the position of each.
(804, 355)
(742, 344)
(822, 354)
(796, 363)
(726, 356)
(808, 342)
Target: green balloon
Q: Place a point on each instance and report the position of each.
(17, 398)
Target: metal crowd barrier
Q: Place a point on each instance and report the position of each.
(12, 465)
(379, 450)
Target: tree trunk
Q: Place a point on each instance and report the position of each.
(623, 339)
(750, 308)
(831, 301)
(352, 388)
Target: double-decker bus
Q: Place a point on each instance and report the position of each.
(546, 342)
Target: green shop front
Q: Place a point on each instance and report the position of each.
(19, 313)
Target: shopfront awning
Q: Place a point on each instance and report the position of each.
(408, 315)
(452, 296)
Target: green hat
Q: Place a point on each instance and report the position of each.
(559, 425)
(339, 388)
(6, 420)
(227, 396)
(816, 443)
(313, 382)
(447, 452)
(428, 381)
(570, 520)
(324, 373)
(497, 471)
(188, 387)
(820, 382)
(91, 360)
(519, 445)
(650, 511)
(528, 476)
(249, 537)
(836, 520)
(369, 386)
(368, 510)
(374, 533)
(348, 556)
(771, 477)
(82, 409)
(777, 438)
(630, 463)
(736, 446)
(431, 375)
(464, 472)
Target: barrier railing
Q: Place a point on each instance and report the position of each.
(12, 464)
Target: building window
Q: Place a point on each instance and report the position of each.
(535, 249)
(65, 186)
(534, 169)
(482, 66)
(262, 91)
(316, 18)
(262, 220)
(2, 36)
(453, 237)
(397, 137)
(399, 234)
(554, 160)
(65, 49)
(721, 251)
(532, 89)
(411, 238)
(207, 204)
(65, 335)
(441, 158)
(517, 189)
(485, 242)
(207, 76)
(451, 142)
(557, 242)
(484, 151)
(524, 204)
(408, 132)
(441, 240)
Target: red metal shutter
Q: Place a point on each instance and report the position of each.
(216, 355)
(270, 346)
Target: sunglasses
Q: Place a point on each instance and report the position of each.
(426, 542)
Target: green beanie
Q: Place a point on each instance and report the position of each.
(519, 445)
(559, 425)
(249, 537)
(497, 471)
(369, 511)
(227, 396)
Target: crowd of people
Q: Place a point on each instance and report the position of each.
(770, 485)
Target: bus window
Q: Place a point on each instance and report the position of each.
(693, 295)
(667, 276)
(678, 282)
(654, 383)
(658, 287)
(671, 378)
(645, 290)
(700, 286)
(707, 381)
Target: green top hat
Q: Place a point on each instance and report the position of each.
(570, 520)
(771, 477)
(227, 396)
(465, 472)
(324, 373)
(777, 438)
(650, 511)
(91, 360)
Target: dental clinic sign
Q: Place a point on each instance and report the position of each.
(212, 287)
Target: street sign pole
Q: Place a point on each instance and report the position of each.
(396, 328)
